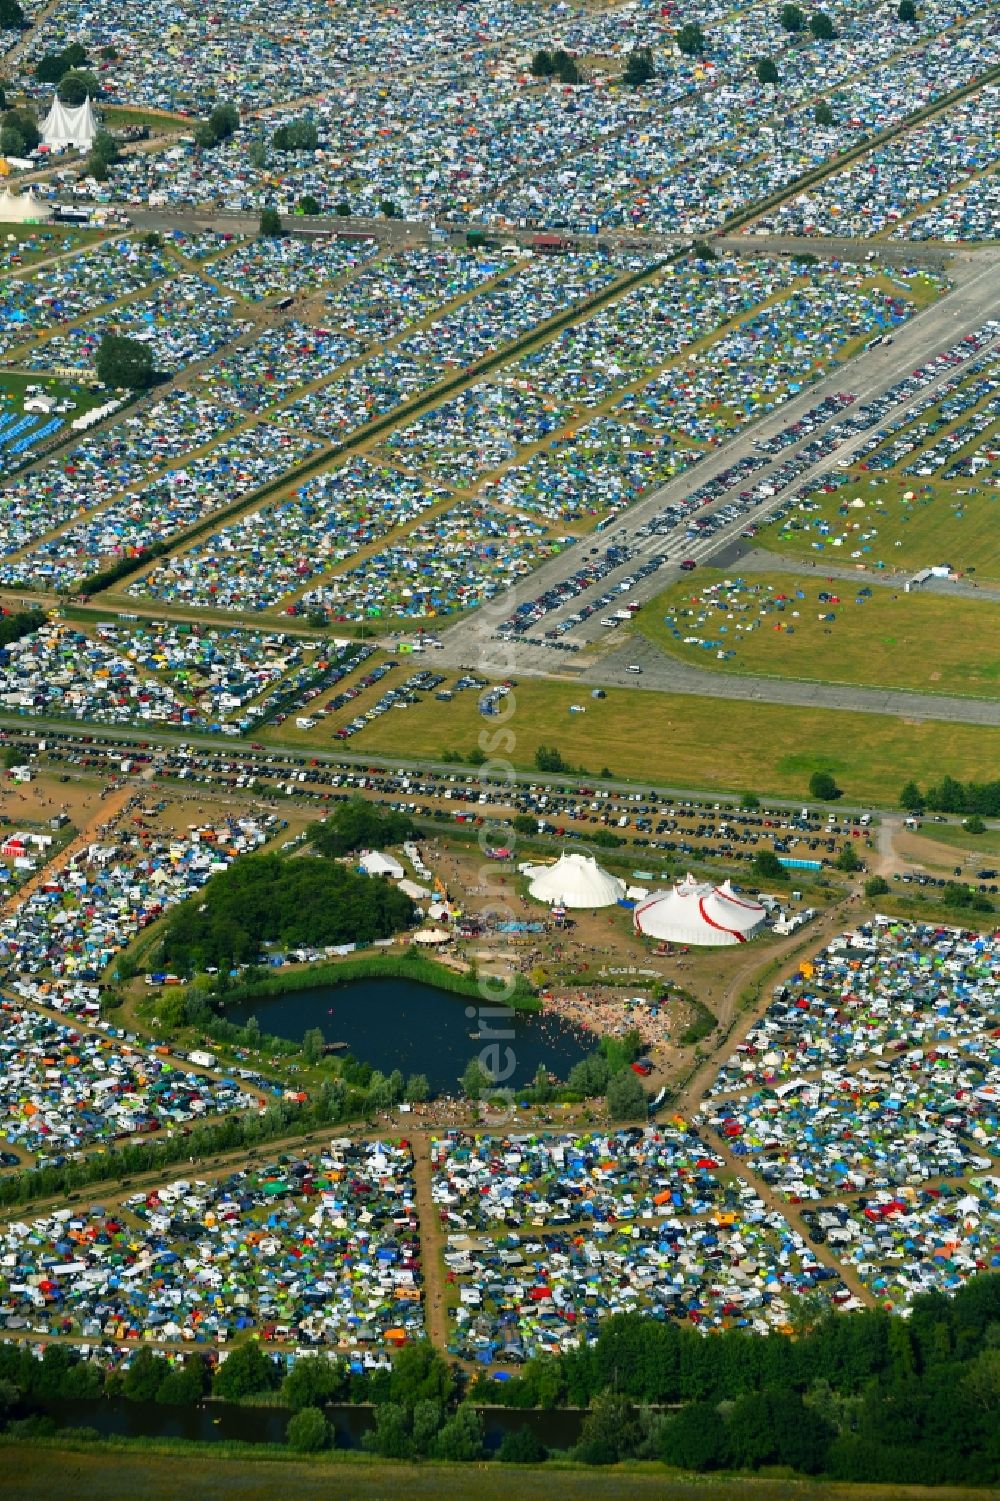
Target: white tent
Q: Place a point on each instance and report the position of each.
(22, 208)
(63, 126)
(375, 864)
(696, 912)
(574, 881)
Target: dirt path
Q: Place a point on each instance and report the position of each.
(110, 808)
(432, 1240)
(792, 1214)
(814, 937)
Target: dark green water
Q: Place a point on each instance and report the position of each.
(420, 1029)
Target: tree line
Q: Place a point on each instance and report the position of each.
(952, 796)
(864, 1397)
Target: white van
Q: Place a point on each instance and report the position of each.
(633, 667)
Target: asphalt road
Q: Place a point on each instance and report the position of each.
(974, 300)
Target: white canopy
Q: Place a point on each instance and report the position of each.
(575, 881)
(696, 912)
(373, 863)
(22, 208)
(63, 126)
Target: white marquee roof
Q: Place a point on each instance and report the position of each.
(696, 912)
(63, 126)
(575, 881)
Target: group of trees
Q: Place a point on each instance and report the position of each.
(359, 824)
(67, 69)
(125, 364)
(297, 135)
(263, 898)
(863, 1397)
(793, 19)
(220, 125)
(19, 623)
(558, 64)
(978, 799)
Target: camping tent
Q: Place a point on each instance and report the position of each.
(696, 912)
(69, 127)
(574, 881)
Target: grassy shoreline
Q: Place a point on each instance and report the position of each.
(376, 967)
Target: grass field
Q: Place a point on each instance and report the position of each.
(13, 387)
(682, 741)
(29, 243)
(120, 1473)
(940, 525)
(954, 837)
(888, 639)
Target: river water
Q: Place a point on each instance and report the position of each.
(421, 1030)
(215, 1422)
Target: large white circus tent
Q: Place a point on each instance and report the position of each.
(64, 126)
(574, 881)
(696, 912)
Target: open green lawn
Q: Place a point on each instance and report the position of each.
(777, 625)
(939, 525)
(13, 389)
(120, 1473)
(23, 244)
(691, 742)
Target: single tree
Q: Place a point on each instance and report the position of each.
(821, 26)
(541, 64)
(695, 1439)
(911, 799)
(246, 1370)
(907, 12)
(567, 69)
(11, 15)
(626, 1096)
(417, 1089)
(691, 40)
(76, 86)
(847, 859)
(876, 886)
(475, 1080)
(749, 801)
(270, 224)
(823, 113)
(313, 1043)
(12, 142)
(309, 206)
(24, 122)
(767, 71)
(639, 67)
(767, 867)
(521, 1447)
(792, 18)
(823, 786)
(307, 1431)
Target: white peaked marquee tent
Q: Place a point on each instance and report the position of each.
(696, 912)
(574, 881)
(22, 208)
(63, 126)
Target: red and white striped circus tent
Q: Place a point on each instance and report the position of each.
(696, 912)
